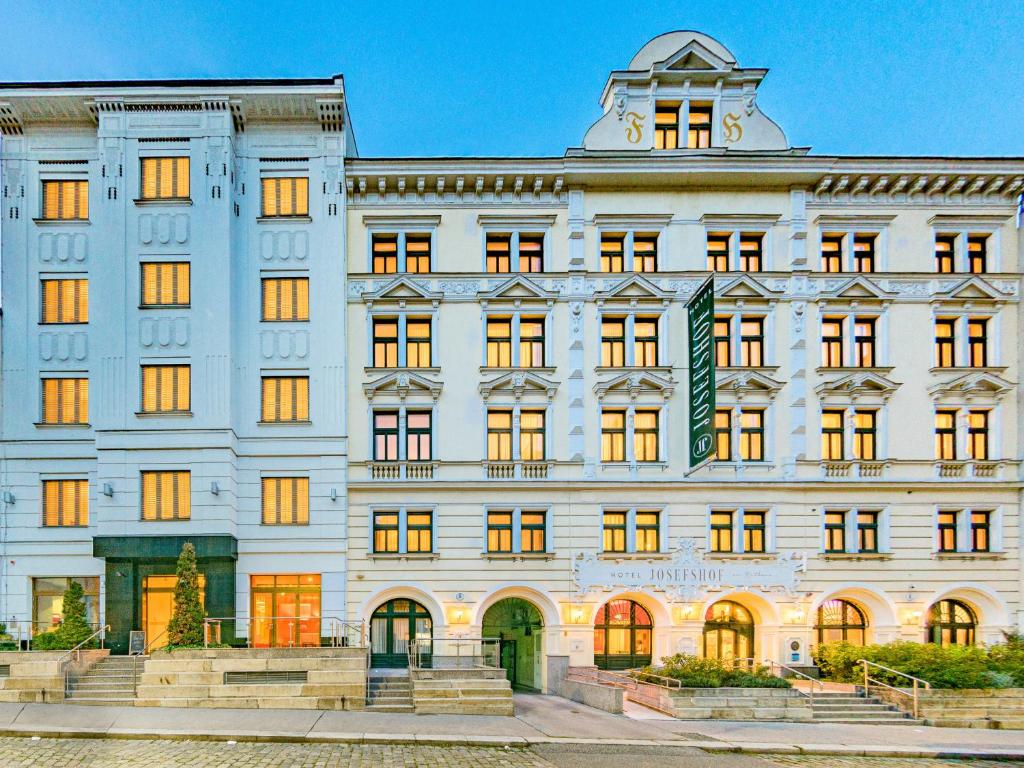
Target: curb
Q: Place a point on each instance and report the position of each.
(521, 742)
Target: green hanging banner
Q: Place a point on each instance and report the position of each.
(700, 312)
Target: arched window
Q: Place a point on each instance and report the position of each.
(392, 626)
(951, 622)
(622, 635)
(841, 621)
(729, 632)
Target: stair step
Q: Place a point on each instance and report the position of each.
(393, 708)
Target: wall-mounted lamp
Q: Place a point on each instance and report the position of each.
(334, 494)
(8, 497)
(795, 615)
(459, 614)
(912, 617)
(576, 614)
(108, 489)
(215, 488)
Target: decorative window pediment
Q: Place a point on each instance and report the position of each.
(746, 289)
(972, 289)
(971, 386)
(749, 385)
(634, 289)
(403, 385)
(857, 387)
(519, 384)
(857, 288)
(635, 384)
(516, 290)
(403, 290)
(695, 56)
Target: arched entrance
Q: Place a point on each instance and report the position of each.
(951, 622)
(519, 625)
(622, 635)
(728, 632)
(392, 625)
(841, 621)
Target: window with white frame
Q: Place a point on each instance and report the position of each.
(630, 340)
(631, 530)
(853, 531)
(516, 531)
(402, 531)
(736, 251)
(850, 251)
(629, 251)
(740, 340)
(965, 251)
(968, 530)
(964, 433)
(964, 341)
(402, 434)
(401, 341)
(740, 434)
(739, 531)
(515, 339)
(516, 433)
(515, 251)
(631, 434)
(850, 341)
(849, 433)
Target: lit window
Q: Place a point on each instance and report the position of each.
(645, 335)
(832, 342)
(285, 196)
(945, 343)
(751, 244)
(699, 135)
(981, 523)
(285, 298)
(65, 301)
(417, 343)
(721, 532)
(531, 342)
(977, 252)
(754, 531)
(977, 340)
(645, 435)
(835, 532)
(499, 249)
(867, 531)
(166, 495)
(723, 434)
(385, 342)
(417, 254)
(385, 532)
(65, 200)
(165, 178)
(531, 253)
(723, 341)
(832, 253)
(418, 438)
(718, 251)
(645, 253)
(945, 435)
(752, 434)
(615, 531)
(613, 435)
(499, 342)
(864, 253)
(945, 253)
(613, 249)
(864, 341)
(285, 398)
(532, 532)
(531, 435)
(419, 530)
(166, 284)
(752, 341)
(286, 501)
(864, 433)
(499, 531)
(613, 342)
(65, 401)
(647, 532)
(166, 388)
(385, 254)
(977, 435)
(65, 503)
(385, 436)
(499, 435)
(666, 125)
(832, 435)
(947, 531)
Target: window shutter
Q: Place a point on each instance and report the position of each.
(149, 177)
(183, 273)
(269, 203)
(150, 283)
(302, 196)
(82, 301)
(149, 495)
(302, 399)
(301, 500)
(302, 299)
(270, 300)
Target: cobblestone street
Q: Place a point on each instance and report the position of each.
(132, 753)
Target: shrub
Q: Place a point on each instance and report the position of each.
(185, 628)
(695, 672)
(73, 629)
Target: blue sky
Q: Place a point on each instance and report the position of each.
(452, 78)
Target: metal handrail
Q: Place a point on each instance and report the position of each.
(917, 682)
(340, 629)
(814, 681)
(65, 660)
(644, 677)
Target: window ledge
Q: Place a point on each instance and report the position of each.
(641, 556)
(620, 368)
(151, 307)
(62, 222)
(174, 201)
(856, 556)
(740, 556)
(962, 369)
(506, 369)
(278, 322)
(284, 219)
(372, 371)
(403, 555)
(881, 370)
(60, 325)
(300, 423)
(164, 414)
(77, 425)
(639, 465)
(969, 555)
(514, 556)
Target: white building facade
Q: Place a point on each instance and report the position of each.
(497, 357)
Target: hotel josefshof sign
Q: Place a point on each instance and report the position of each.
(687, 575)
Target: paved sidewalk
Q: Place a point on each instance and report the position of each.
(538, 720)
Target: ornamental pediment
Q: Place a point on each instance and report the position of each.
(634, 288)
(746, 287)
(403, 385)
(635, 383)
(517, 288)
(519, 384)
(973, 288)
(402, 289)
(742, 384)
(858, 287)
(695, 56)
(858, 385)
(971, 385)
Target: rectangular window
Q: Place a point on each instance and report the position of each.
(666, 125)
(977, 435)
(645, 252)
(167, 284)
(752, 341)
(499, 249)
(832, 436)
(166, 495)
(945, 343)
(645, 342)
(531, 253)
(723, 435)
(385, 342)
(864, 253)
(613, 250)
(499, 531)
(285, 398)
(385, 254)
(385, 436)
(615, 531)
(723, 341)
(417, 253)
(864, 341)
(751, 251)
(287, 196)
(531, 342)
(65, 401)
(65, 200)
(945, 253)
(65, 301)
(499, 342)
(832, 342)
(721, 532)
(532, 532)
(165, 178)
(613, 435)
(499, 435)
(718, 251)
(945, 435)
(65, 503)
(531, 435)
(752, 435)
(418, 436)
(285, 298)
(699, 135)
(867, 531)
(166, 388)
(832, 253)
(285, 500)
(977, 253)
(947, 531)
(417, 343)
(645, 435)
(980, 526)
(385, 532)
(977, 340)
(835, 532)
(419, 531)
(613, 342)
(647, 529)
(754, 531)
(864, 432)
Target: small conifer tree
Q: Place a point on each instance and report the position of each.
(73, 628)
(186, 624)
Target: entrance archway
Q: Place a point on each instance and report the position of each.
(841, 621)
(519, 626)
(729, 632)
(622, 635)
(392, 626)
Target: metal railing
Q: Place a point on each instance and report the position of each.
(455, 653)
(76, 654)
(797, 673)
(341, 633)
(917, 682)
(23, 632)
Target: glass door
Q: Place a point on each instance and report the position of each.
(158, 606)
(391, 628)
(285, 610)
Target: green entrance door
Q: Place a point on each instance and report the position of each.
(392, 626)
(519, 626)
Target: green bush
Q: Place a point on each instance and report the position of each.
(695, 672)
(956, 666)
(73, 629)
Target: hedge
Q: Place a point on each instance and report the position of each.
(695, 672)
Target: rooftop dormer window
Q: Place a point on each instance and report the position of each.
(666, 125)
(699, 135)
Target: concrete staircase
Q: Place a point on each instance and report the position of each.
(389, 692)
(111, 680)
(462, 691)
(856, 707)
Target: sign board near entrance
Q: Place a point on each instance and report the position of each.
(700, 317)
(687, 575)
(136, 642)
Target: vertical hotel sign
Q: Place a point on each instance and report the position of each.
(700, 311)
